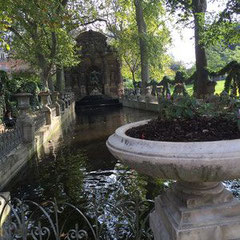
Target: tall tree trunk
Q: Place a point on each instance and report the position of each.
(133, 78)
(142, 31)
(134, 81)
(44, 79)
(45, 70)
(59, 79)
(200, 7)
(50, 84)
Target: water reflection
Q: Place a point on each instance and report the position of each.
(67, 163)
(77, 167)
(78, 161)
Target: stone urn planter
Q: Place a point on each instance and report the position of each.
(25, 119)
(44, 98)
(23, 100)
(197, 206)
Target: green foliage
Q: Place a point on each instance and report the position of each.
(177, 66)
(232, 70)
(225, 33)
(218, 56)
(224, 27)
(2, 107)
(3, 81)
(18, 82)
(127, 83)
(40, 33)
(182, 107)
(6, 102)
(187, 107)
(126, 39)
(218, 89)
(23, 82)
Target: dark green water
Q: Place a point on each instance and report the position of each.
(76, 167)
(79, 160)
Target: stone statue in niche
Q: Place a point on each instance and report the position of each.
(95, 85)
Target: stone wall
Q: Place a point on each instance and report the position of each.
(152, 106)
(15, 160)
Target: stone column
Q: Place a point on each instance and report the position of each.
(196, 210)
(25, 120)
(48, 112)
(55, 102)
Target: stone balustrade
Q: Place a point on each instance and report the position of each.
(32, 129)
(139, 101)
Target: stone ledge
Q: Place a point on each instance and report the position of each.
(154, 106)
(16, 159)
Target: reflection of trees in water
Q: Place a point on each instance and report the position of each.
(113, 200)
(117, 200)
(72, 166)
(61, 177)
(84, 173)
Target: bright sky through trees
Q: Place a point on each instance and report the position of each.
(182, 48)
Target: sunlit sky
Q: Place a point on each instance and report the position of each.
(182, 48)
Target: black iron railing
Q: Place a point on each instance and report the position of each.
(9, 140)
(52, 221)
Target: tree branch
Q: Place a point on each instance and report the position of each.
(13, 30)
(93, 21)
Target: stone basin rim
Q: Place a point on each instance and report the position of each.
(121, 132)
(208, 161)
(222, 150)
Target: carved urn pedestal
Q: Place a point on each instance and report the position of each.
(45, 108)
(25, 119)
(197, 206)
(55, 100)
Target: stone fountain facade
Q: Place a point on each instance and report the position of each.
(99, 69)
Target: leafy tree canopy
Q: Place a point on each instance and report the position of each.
(123, 28)
(40, 30)
(224, 28)
(219, 56)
